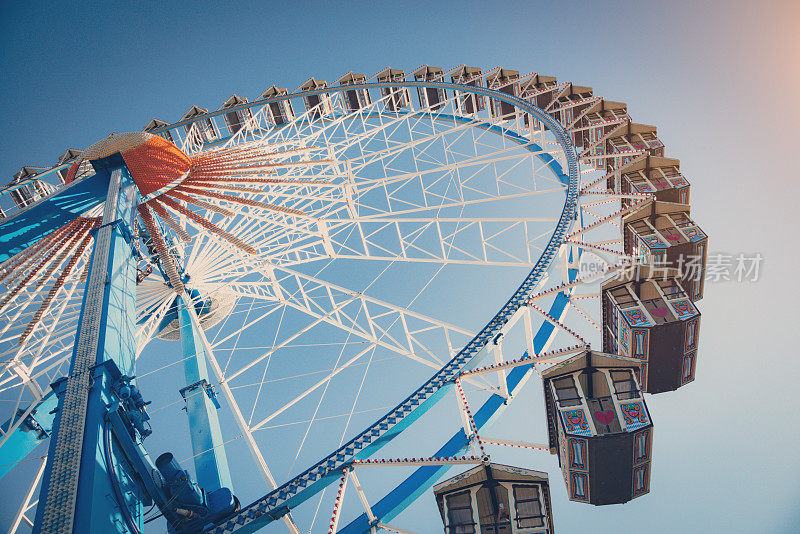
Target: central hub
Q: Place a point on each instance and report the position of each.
(154, 162)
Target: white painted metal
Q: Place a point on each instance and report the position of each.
(28, 502)
(361, 214)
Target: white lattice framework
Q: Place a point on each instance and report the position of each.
(419, 187)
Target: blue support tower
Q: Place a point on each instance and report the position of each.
(76, 485)
(18, 233)
(210, 461)
(98, 474)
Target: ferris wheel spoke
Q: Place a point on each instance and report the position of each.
(311, 389)
(19, 374)
(373, 320)
(318, 238)
(29, 374)
(431, 191)
(329, 303)
(19, 304)
(325, 132)
(44, 333)
(312, 131)
(405, 343)
(270, 309)
(53, 359)
(394, 150)
(28, 502)
(319, 318)
(475, 241)
(12, 334)
(390, 153)
(309, 233)
(146, 331)
(411, 122)
(460, 203)
(64, 333)
(55, 316)
(34, 351)
(508, 154)
(431, 174)
(472, 241)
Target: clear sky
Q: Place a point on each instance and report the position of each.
(719, 79)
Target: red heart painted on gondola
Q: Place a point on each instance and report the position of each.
(672, 237)
(604, 417)
(659, 312)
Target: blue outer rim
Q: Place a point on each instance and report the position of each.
(303, 486)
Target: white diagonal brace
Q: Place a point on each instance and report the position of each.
(308, 391)
(362, 496)
(26, 502)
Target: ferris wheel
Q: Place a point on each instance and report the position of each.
(322, 301)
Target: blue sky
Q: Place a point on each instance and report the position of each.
(719, 79)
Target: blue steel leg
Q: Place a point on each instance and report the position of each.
(210, 461)
(76, 489)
